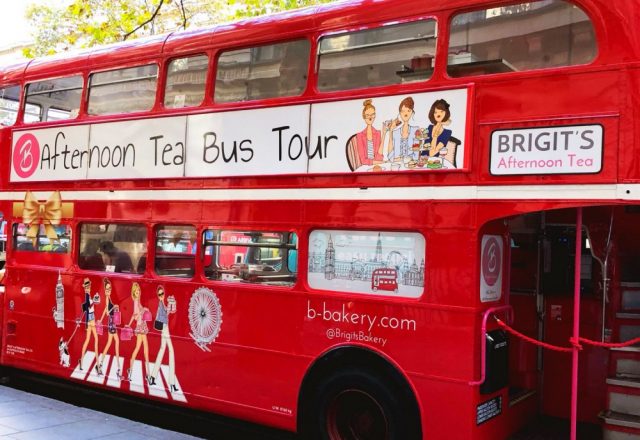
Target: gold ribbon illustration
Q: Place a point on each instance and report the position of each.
(47, 214)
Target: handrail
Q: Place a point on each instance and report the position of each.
(483, 342)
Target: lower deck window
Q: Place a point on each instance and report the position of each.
(175, 250)
(113, 247)
(251, 256)
(42, 238)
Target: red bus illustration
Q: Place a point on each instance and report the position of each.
(384, 279)
(222, 189)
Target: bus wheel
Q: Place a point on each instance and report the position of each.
(357, 405)
(355, 414)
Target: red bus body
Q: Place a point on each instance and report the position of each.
(276, 344)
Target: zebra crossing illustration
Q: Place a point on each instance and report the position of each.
(138, 382)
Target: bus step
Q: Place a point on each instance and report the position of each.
(623, 402)
(619, 419)
(622, 381)
(627, 368)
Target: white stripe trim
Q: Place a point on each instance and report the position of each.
(500, 192)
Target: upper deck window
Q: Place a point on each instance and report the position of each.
(383, 56)
(53, 99)
(186, 79)
(526, 36)
(262, 72)
(123, 90)
(9, 102)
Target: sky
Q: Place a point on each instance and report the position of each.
(15, 28)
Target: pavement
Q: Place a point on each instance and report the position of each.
(28, 416)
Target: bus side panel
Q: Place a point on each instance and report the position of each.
(30, 301)
(628, 160)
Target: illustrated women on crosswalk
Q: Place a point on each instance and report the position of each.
(141, 329)
(89, 319)
(111, 309)
(162, 325)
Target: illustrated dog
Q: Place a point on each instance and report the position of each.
(64, 353)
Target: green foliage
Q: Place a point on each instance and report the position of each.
(86, 23)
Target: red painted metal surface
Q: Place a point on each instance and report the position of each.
(576, 325)
(269, 329)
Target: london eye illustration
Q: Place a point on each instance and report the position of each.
(205, 317)
(395, 260)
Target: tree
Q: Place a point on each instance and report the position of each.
(86, 23)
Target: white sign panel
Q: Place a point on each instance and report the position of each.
(50, 154)
(574, 149)
(248, 142)
(418, 132)
(491, 268)
(414, 132)
(137, 149)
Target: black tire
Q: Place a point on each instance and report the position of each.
(353, 404)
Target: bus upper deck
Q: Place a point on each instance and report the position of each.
(198, 105)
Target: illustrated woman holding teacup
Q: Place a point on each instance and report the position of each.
(402, 134)
(110, 308)
(140, 331)
(437, 135)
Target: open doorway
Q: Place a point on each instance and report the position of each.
(542, 258)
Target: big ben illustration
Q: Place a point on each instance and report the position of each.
(58, 310)
(330, 261)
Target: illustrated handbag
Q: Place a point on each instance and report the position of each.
(126, 333)
(99, 328)
(117, 317)
(146, 315)
(158, 325)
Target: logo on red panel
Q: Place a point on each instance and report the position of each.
(26, 155)
(491, 261)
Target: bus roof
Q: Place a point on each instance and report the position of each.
(324, 18)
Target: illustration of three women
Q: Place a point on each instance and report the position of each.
(400, 135)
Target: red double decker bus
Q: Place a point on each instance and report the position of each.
(384, 279)
(196, 218)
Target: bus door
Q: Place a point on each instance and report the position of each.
(541, 294)
(525, 360)
(558, 242)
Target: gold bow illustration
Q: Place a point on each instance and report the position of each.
(48, 213)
